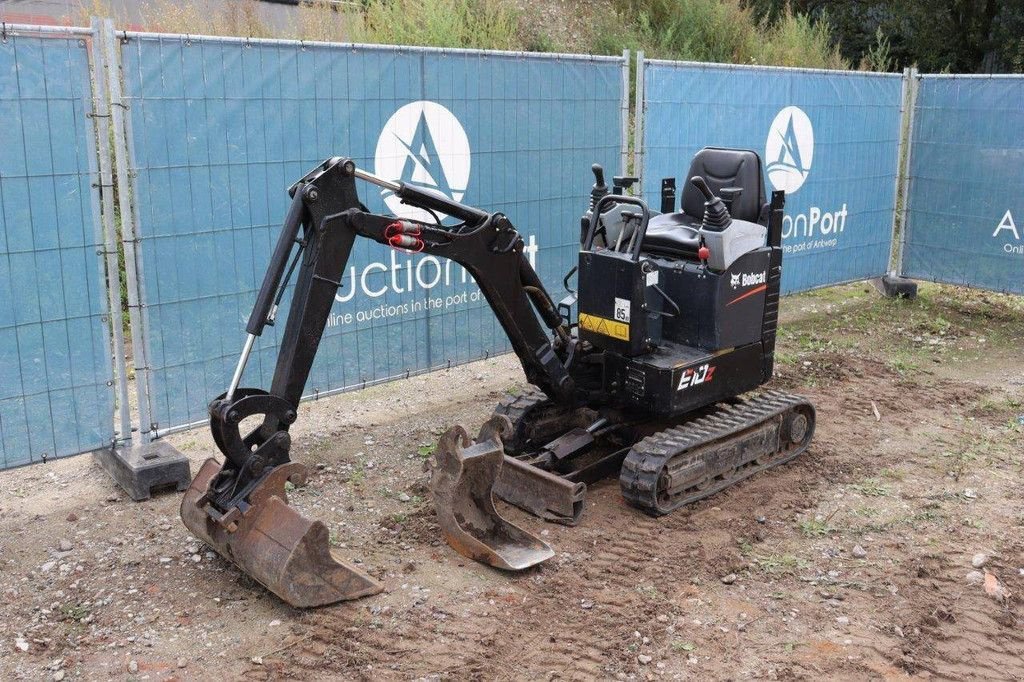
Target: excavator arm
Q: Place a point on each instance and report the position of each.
(240, 508)
(323, 222)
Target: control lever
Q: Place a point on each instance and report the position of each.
(668, 195)
(599, 189)
(716, 215)
(628, 216)
(729, 195)
(620, 183)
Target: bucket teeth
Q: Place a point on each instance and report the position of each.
(462, 481)
(274, 544)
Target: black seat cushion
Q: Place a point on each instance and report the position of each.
(672, 233)
(676, 233)
(726, 168)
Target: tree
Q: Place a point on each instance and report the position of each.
(964, 36)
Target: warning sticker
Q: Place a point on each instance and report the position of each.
(601, 325)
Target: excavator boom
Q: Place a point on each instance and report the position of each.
(240, 508)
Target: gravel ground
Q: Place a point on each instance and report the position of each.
(891, 549)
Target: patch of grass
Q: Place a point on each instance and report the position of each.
(680, 645)
(998, 403)
(927, 514)
(75, 613)
(902, 365)
(779, 563)
(876, 527)
(871, 488)
(958, 462)
(426, 449)
(868, 512)
(891, 474)
(815, 528)
(784, 358)
(358, 475)
(399, 517)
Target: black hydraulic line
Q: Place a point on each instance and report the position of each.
(284, 282)
(275, 269)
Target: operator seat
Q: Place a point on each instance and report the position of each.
(675, 234)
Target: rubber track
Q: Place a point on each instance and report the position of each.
(516, 409)
(647, 459)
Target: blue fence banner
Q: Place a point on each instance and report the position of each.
(965, 205)
(830, 139)
(221, 127)
(56, 379)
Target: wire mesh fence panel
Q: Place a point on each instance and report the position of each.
(830, 139)
(965, 214)
(221, 127)
(56, 377)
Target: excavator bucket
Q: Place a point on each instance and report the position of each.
(462, 481)
(274, 544)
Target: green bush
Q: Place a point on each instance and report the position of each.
(716, 31)
(484, 24)
(794, 40)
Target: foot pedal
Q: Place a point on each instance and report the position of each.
(462, 481)
(274, 544)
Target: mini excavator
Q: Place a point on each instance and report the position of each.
(651, 378)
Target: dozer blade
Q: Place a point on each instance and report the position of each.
(540, 492)
(274, 544)
(462, 481)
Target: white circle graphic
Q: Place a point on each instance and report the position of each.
(423, 144)
(789, 149)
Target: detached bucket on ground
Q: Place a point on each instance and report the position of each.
(462, 481)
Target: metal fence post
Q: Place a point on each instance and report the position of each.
(624, 163)
(898, 197)
(129, 234)
(638, 127)
(101, 119)
(905, 179)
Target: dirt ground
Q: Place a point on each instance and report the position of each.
(893, 548)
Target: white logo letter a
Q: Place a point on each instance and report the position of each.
(1007, 224)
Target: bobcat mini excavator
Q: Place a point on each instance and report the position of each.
(676, 318)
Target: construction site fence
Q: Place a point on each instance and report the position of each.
(148, 173)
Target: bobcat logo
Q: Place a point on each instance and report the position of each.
(734, 280)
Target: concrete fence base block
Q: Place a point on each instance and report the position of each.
(894, 286)
(141, 470)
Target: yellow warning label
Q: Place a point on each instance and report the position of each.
(601, 325)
